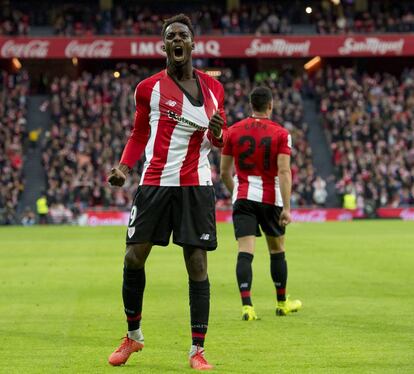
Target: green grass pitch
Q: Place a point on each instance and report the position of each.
(61, 306)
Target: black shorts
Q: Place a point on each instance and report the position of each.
(248, 215)
(188, 212)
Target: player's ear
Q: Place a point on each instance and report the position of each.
(163, 48)
(192, 46)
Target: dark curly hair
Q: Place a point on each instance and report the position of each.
(180, 18)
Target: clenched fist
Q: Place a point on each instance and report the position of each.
(117, 177)
(215, 125)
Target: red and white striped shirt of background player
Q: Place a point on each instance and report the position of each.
(173, 131)
(255, 144)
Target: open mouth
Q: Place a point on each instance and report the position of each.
(178, 52)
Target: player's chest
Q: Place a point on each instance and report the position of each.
(176, 108)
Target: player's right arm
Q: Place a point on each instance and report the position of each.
(137, 140)
(285, 177)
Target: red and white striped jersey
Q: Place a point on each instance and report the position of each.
(172, 127)
(255, 144)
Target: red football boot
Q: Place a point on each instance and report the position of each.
(198, 361)
(127, 347)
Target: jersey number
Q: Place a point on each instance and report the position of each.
(265, 143)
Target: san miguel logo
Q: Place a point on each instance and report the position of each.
(32, 49)
(375, 46)
(279, 47)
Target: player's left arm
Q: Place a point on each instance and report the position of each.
(285, 176)
(217, 127)
(226, 171)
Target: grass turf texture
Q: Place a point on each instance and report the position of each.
(61, 306)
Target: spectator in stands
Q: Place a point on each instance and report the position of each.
(28, 218)
(319, 191)
(42, 209)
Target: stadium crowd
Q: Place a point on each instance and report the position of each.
(13, 94)
(261, 18)
(369, 119)
(13, 22)
(92, 117)
(378, 17)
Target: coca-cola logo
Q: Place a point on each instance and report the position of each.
(407, 214)
(32, 49)
(280, 47)
(309, 216)
(372, 45)
(150, 48)
(97, 48)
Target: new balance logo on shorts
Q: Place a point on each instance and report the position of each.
(205, 237)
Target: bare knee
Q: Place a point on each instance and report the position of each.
(196, 264)
(136, 255)
(276, 244)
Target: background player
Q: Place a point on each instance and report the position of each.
(179, 113)
(261, 195)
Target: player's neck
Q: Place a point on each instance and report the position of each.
(260, 115)
(181, 73)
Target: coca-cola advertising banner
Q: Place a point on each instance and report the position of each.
(211, 46)
(406, 214)
(109, 218)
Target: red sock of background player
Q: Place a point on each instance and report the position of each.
(279, 272)
(244, 276)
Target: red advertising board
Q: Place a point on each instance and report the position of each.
(406, 214)
(105, 218)
(211, 46)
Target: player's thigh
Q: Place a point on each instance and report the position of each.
(275, 244)
(194, 217)
(150, 219)
(245, 220)
(268, 216)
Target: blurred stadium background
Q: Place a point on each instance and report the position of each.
(341, 72)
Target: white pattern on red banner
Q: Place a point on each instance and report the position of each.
(208, 46)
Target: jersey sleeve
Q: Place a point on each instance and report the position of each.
(220, 142)
(285, 143)
(139, 136)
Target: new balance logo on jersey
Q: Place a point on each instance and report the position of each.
(171, 103)
(205, 237)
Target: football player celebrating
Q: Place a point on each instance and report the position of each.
(179, 115)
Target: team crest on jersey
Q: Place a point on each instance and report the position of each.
(171, 103)
(131, 231)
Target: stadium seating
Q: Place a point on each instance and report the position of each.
(370, 123)
(13, 93)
